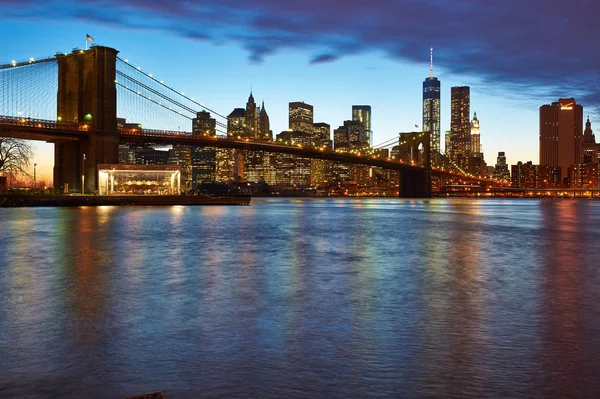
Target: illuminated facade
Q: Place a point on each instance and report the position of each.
(362, 114)
(561, 134)
(260, 165)
(203, 158)
(528, 175)
(301, 117)
(323, 134)
(291, 169)
(236, 127)
(584, 176)
(350, 137)
(476, 150)
(591, 150)
(501, 170)
(138, 179)
(182, 155)
(225, 164)
(236, 123)
(431, 111)
(460, 126)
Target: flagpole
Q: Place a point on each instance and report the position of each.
(86, 42)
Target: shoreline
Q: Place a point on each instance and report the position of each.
(15, 201)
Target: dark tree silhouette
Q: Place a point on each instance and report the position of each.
(15, 157)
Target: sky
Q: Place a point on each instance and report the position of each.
(515, 56)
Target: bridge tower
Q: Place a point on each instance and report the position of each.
(417, 183)
(87, 95)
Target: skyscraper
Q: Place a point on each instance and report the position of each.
(460, 127)
(264, 126)
(203, 158)
(561, 134)
(475, 138)
(431, 109)
(501, 170)
(301, 117)
(323, 134)
(591, 150)
(251, 118)
(362, 114)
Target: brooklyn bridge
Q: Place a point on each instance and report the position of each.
(92, 89)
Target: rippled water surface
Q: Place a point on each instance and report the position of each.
(302, 298)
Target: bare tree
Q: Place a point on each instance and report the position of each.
(15, 157)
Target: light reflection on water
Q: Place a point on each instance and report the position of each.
(303, 298)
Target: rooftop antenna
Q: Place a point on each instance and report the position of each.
(431, 62)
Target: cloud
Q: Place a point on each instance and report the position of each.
(323, 59)
(527, 48)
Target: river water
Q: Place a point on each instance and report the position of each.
(302, 298)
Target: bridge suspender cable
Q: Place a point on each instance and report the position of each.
(172, 89)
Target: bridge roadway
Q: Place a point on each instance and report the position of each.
(55, 131)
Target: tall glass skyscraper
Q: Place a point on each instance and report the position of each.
(362, 114)
(431, 110)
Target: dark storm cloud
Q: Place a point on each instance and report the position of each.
(535, 47)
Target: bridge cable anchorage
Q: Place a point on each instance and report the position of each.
(173, 90)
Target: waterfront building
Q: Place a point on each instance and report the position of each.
(561, 134)
(501, 170)
(460, 126)
(431, 110)
(291, 169)
(476, 166)
(138, 179)
(584, 176)
(362, 114)
(530, 176)
(181, 155)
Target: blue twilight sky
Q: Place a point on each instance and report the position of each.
(515, 55)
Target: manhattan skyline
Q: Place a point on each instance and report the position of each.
(219, 67)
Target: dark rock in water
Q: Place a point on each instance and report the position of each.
(153, 395)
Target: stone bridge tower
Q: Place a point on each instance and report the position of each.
(87, 95)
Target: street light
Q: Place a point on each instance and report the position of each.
(83, 177)
(34, 174)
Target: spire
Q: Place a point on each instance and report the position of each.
(263, 111)
(431, 62)
(251, 98)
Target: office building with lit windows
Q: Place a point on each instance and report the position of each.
(431, 111)
(501, 170)
(460, 125)
(561, 134)
(362, 114)
(301, 117)
(203, 158)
